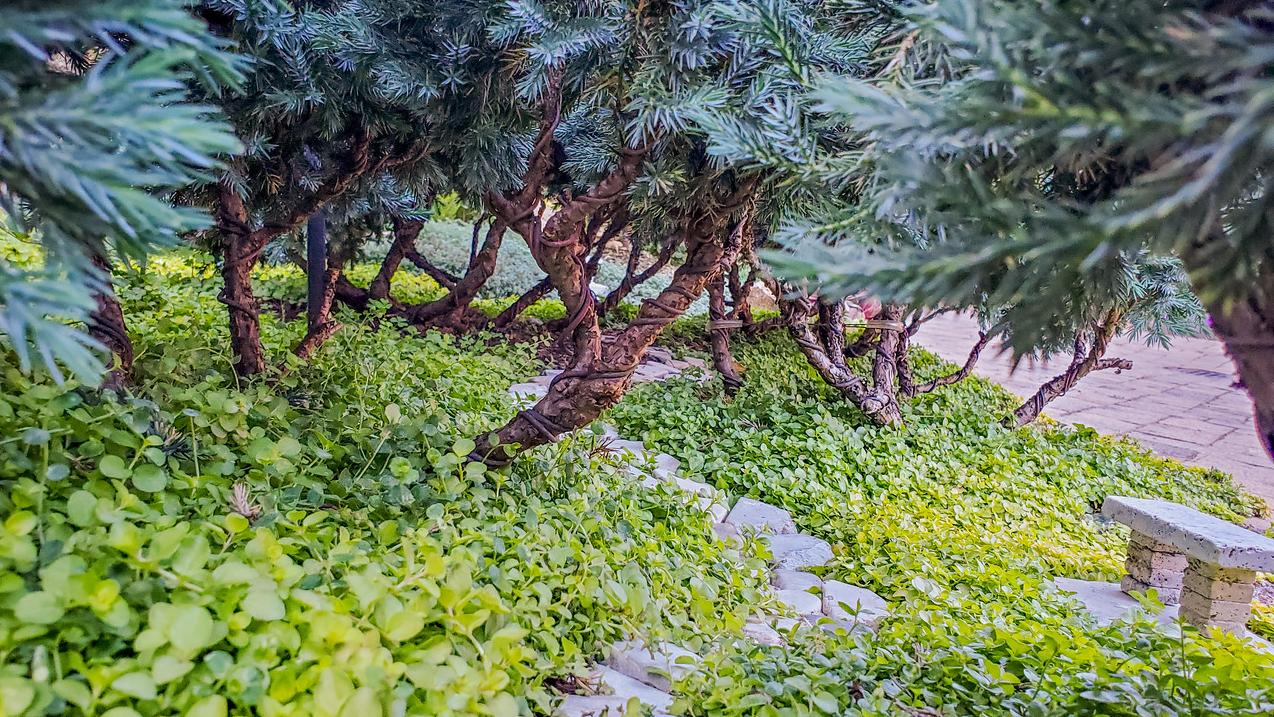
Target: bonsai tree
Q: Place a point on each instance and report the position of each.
(651, 80)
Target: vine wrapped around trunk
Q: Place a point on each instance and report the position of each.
(106, 325)
(600, 374)
(1083, 362)
(879, 401)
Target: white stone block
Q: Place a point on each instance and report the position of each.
(793, 552)
(637, 448)
(763, 634)
(762, 517)
(795, 580)
(726, 532)
(525, 390)
(799, 602)
(849, 602)
(614, 693)
(656, 665)
(659, 353)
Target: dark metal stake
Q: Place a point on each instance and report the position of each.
(316, 266)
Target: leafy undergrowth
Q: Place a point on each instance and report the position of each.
(365, 568)
(383, 576)
(959, 523)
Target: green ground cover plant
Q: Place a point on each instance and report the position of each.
(315, 544)
(959, 523)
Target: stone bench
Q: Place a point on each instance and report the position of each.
(1201, 563)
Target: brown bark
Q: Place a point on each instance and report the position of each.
(524, 302)
(1247, 329)
(454, 310)
(1082, 363)
(405, 233)
(242, 247)
(906, 377)
(632, 281)
(720, 338)
(322, 326)
(885, 367)
(443, 278)
(601, 373)
(877, 402)
(957, 376)
(240, 255)
(106, 325)
(740, 295)
(350, 294)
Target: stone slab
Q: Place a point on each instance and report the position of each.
(606, 430)
(1196, 534)
(841, 601)
(659, 353)
(793, 552)
(726, 532)
(795, 580)
(760, 516)
(637, 448)
(1106, 601)
(1218, 589)
(620, 689)
(666, 463)
(656, 665)
(799, 601)
(838, 626)
(762, 634)
(525, 390)
(713, 507)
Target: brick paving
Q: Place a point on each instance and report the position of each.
(1180, 402)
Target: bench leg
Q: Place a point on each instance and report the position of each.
(1152, 564)
(1217, 596)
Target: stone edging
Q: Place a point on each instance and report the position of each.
(646, 671)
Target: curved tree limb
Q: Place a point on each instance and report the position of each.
(599, 375)
(1082, 363)
(957, 376)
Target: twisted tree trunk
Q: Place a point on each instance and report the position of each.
(957, 376)
(454, 310)
(242, 246)
(722, 360)
(879, 401)
(524, 302)
(600, 374)
(1082, 363)
(632, 280)
(405, 233)
(106, 325)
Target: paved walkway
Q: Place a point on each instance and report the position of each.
(1180, 402)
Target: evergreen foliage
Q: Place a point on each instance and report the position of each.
(1030, 154)
(95, 129)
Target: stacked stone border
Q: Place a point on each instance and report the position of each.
(646, 670)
